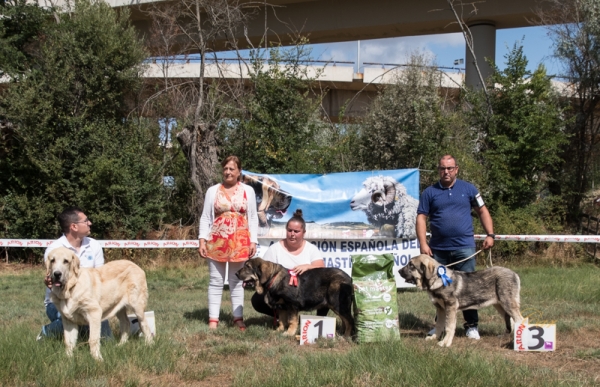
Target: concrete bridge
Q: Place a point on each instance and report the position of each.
(345, 89)
(346, 20)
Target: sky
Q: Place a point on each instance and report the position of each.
(444, 48)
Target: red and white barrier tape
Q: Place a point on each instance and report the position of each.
(545, 238)
(123, 244)
(177, 244)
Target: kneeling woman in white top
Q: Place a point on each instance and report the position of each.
(293, 253)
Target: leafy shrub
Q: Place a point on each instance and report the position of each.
(546, 216)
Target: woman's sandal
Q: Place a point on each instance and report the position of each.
(239, 322)
(213, 323)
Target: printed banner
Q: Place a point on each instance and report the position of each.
(351, 205)
(336, 253)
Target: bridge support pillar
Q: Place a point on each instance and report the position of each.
(484, 45)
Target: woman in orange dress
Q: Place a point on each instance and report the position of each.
(228, 234)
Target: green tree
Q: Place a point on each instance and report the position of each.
(406, 125)
(574, 28)
(523, 138)
(339, 149)
(279, 130)
(19, 35)
(198, 27)
(67, 137)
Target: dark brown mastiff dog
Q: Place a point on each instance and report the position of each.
(317, 289)
(496, 286)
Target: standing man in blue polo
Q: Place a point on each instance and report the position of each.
(448, 205)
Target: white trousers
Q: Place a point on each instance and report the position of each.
(216, 270)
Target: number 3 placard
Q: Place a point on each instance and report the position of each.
(535, 337)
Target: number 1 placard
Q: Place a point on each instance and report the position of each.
(534, 337)
(313, 327)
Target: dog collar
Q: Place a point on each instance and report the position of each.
(272, 281)
(441, 272)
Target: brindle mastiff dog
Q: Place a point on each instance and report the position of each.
(496, 286)
(317, 289)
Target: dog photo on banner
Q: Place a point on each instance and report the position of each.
(376, 204)
(372, 212)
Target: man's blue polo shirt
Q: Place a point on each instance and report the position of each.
(449, 212)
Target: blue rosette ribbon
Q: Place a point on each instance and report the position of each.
(441, 272)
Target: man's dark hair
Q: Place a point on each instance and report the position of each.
(69, 216)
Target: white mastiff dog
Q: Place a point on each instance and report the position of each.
(90, 295)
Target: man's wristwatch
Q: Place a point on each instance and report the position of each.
(492, 235)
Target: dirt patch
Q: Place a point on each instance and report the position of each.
(575, 359)
(569, 360)
(18, 268)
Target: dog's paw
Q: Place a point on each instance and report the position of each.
(444, 343)
(432, 337)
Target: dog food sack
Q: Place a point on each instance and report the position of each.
(376, 309)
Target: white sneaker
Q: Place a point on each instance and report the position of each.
(40, 336)
(473, 333)
(431, 332)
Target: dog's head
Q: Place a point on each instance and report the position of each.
(280, 200)
(257, 272)
(62, 267)
(271, 201)
(378, 193)
(422, 272)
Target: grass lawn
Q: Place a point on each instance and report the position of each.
(187, 353)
